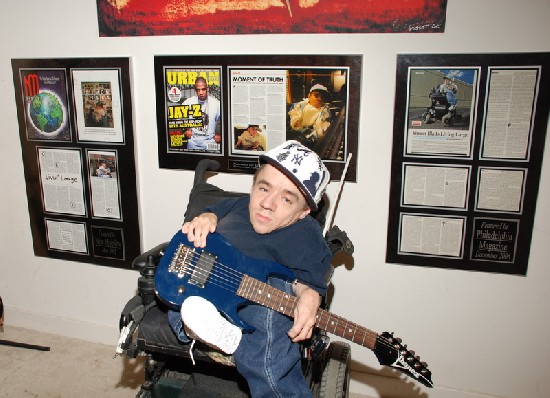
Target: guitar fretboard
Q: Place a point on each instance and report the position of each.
(263, 294)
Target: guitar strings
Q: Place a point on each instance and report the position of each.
(230, 279)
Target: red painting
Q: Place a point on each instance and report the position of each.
(222, 17)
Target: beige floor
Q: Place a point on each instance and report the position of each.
(72, 368)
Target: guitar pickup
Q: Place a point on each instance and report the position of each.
(202, 269)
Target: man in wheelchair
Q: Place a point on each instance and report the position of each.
(270, 224)
(151, 328)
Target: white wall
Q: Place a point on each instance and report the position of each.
(482, 334)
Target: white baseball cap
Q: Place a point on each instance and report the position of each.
(303, 166)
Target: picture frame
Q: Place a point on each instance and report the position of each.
(256, 91)
(469, 135)
(75, 115)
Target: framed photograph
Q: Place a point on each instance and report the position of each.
(234, 108)
(98, 105)
(469, 135)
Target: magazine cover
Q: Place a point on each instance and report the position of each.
(45, 104)
(193, 110)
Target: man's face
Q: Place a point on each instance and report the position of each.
(98, 114)
(275, 202)
(253, 130)
(316, 99)
(202, 90)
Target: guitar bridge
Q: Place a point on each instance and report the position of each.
(186, 262)
(179, 262)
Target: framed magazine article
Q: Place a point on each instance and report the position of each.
(75, 126)
(469, 134)
(234, 108)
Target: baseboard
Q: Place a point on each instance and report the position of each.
(61, 326)
(389, 387)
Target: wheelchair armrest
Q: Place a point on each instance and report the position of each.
(143, 260)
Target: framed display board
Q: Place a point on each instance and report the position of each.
(469, 137)
(233, 108)
(75, 126)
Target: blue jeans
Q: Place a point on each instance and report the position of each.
(267, 358)
(176, 324)
(451, 98)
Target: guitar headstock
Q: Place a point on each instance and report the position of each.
(390, 352)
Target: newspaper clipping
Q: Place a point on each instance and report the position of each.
(257, 109)
(501, 189)
(441, 105)
(510, 113)
(104, 184)
(431, 235)
(66, 236)
(61, 181)
(270, 106)
(435, 186)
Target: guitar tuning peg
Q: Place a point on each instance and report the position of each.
(424, 364)
(412, 352)
(398, 340)
(417, 358)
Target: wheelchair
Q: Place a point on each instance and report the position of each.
(172, 371)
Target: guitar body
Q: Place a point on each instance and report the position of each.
(185, 271)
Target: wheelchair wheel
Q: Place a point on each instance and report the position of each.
(427, 117)
(335, 377)
(448, 120)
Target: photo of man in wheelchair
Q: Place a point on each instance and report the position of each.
(277, 355)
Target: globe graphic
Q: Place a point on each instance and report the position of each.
(46, 112)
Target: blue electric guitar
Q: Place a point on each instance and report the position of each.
(229, 279)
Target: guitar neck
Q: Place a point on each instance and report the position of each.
(263, 294)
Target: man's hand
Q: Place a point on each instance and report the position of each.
(199, 227)
(305, 313)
